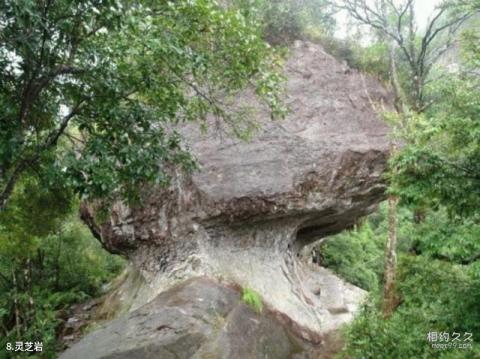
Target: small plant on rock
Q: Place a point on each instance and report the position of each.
(253, 299)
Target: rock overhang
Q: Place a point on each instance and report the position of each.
(252, 205)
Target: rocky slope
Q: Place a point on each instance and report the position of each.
(242, 220)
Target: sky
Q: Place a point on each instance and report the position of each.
(423, 11)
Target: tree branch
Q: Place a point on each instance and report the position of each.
(23, 164)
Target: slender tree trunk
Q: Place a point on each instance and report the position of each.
(10, 185)
(57, 261)
(29, 288)
(419, 215)
(390, 258)
(389, 296)
(15, 302)
(400, 97)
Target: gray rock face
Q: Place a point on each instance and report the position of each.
(247, 213)
(199, 318)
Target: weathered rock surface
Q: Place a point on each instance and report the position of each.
(252, 206)
(199, 318)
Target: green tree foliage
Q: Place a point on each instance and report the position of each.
(108, 79)
(357, 255)
(283, 21)
(436, 297)
(48, 261)
(341, 255)
(454, 240)
(437, 284)
(372, 59)
(441, 163)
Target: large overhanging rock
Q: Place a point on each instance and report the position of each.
(246, 214)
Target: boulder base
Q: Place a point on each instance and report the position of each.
(197, 319)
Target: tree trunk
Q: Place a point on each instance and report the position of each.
(400, 97)
(57, 262)
(419, 215)
(390, 258)
(389, 296)
(15, 302)
(30, 315)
